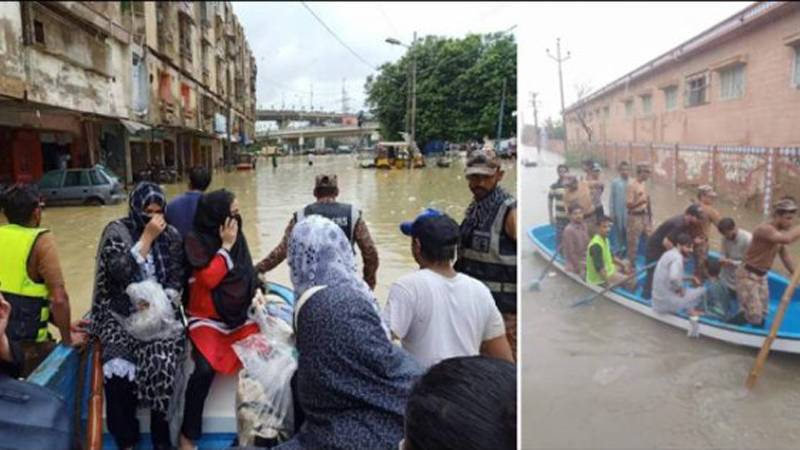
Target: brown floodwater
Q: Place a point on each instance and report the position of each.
(603, 376)
(268, 197)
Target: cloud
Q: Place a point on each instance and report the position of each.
(293, 51)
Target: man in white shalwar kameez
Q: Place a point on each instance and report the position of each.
(669, 293)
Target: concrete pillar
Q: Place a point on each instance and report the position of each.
(301, 141)
(319, 143)
(126, 141)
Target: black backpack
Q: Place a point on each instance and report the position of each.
(32, 416)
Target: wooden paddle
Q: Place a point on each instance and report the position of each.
(94, 426)
(773, 332)
(536, 285)
(621, 282)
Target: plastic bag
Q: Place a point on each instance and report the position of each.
(264, 407)
(154, 317)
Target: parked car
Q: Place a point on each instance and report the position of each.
(95, 186)
(344, 149)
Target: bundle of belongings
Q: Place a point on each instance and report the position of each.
(264, 408)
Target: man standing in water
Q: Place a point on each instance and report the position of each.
(618, 209)
(30, 277)
(488, 249)
(348, 217)
(705, 199)
(769, 240)
(556, 208)
(640, 217)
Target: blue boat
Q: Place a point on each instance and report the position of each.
(788, 338)
(69, 374)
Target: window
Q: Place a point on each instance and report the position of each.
(696, 88)
(731, 82)
(628, 108)
(796, 78)
(647, 104)
(38, 32)
(606, 112)
(165, 87)
(98, 179)
(51, 180)
(671, 97)
(76, 178)
(186, 93)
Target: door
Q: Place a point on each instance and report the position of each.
(76, 186)
(50, 186)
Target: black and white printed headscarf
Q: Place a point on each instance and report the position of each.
(140, 198)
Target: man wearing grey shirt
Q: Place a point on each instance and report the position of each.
(734, 245)
(669, 293)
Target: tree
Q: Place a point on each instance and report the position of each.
(582, 111)
(459, 84)
(555, 129)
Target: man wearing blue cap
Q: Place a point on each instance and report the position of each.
(488, 248)
(436, 312)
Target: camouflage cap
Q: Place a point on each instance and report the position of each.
(482, 162)
(786, 204)
(326, 180)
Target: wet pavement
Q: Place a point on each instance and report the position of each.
(602, 376)
(268, 197)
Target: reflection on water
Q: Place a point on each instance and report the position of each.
(268, 197)
(603, 376)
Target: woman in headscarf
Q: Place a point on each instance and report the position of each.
(352, 382)
(220, 292)
(137, 373)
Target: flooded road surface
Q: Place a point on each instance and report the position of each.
(603, 376)
(268, 197)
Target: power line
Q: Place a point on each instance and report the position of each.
(371, 66)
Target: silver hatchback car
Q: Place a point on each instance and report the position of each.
(95, 186)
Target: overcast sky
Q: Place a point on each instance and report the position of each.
(293, 50)
(606, 41)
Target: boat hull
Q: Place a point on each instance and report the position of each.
(67, 372)
(788, 339)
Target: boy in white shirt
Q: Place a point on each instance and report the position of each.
(436, 312)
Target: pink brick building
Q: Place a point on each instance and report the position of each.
(722, 108)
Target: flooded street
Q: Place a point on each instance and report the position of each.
(268, 198)
(602, 376)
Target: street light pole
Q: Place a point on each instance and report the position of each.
(560, 60)
(500, 116)
(413, 51)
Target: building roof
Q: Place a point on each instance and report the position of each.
(709, 37)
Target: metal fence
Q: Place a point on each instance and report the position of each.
(749, 177)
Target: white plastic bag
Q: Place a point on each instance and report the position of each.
(264, 396)
(155, 317)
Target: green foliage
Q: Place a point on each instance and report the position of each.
(459, 86)
(555, 129)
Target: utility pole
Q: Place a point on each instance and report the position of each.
(311, 98)
(500, 116)
(414, 92)
(536, 121)
(560, 60)
(345, 107)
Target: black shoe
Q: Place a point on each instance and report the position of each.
(738, 319)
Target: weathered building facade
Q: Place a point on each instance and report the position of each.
(125, 84)
(722, 108)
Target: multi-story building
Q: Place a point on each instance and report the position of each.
(721, 108)
(125, 84)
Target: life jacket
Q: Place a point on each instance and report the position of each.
(30, 304)
(489, 255)
(341, 214)
(592, 276)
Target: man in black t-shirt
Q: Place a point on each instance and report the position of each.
(663, 239)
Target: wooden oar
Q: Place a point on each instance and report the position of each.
(536, 285)
(94, 426)
(773, 332)
(623, 281)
